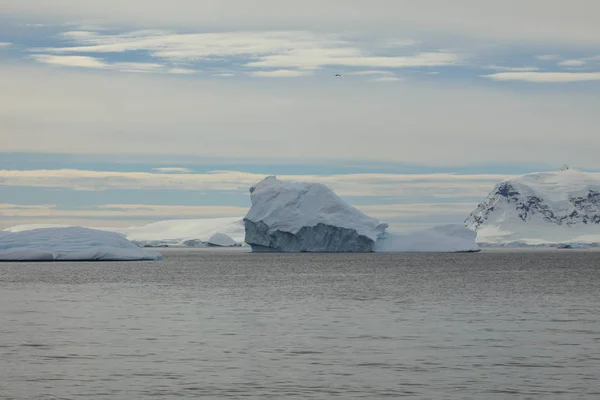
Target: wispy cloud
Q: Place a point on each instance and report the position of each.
(545, 77)
(572, 63)
(280, 73)
(5, 44)
(513, 69)
(548, 57)
(71, 61)
(267, 49)
(172, 170)
(370, 72)
(437, 185)
(302, 59)
(388, 79)
(149, 211)
(98, 63)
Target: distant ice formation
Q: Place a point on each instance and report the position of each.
(184, 232)
(70, 244)
(306, 217)
(541, 208)
(446, 239)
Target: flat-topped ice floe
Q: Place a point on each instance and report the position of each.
(70, 244)
(439, 239)
(306, 217)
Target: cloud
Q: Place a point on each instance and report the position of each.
(172, 170)
(548, 57)
(305, 59)
(280, 73)
(5, 44)
(299, 120)
(133, 211)
(388, 79)
(514, 69)
(545, 77)
(509, 20)
(262, 49)
(443, 186)
(411, 210)
(571, 63)
(98, 63)
(71, 61)
(370, 72)
(181, 71)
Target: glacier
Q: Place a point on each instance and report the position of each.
(557, 207)
(70, 244)
(306, 217)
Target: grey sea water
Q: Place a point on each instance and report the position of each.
(236, 325)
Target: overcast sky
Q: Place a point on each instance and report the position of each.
(118, 112)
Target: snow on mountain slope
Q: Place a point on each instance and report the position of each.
(548, 207)
(70, 244)
(171, 231)
(306, 217)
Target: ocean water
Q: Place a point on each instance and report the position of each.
(234, 325)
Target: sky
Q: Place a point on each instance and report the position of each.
(119, 113)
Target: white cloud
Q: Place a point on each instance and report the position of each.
(302, 121)
(370, 72)
(264, 49)
(531, 21)
(5, 44)
(547, 57)
(174, 170)
(122, 211)
(181, 71)
(388, 79)
(309, 59)
(545, 77)
(442, 186)
(71, 61)
(514, 69)
(280, 73)
(412, 210)
(97, 63)
(571, 63)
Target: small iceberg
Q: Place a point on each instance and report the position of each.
(70, 244)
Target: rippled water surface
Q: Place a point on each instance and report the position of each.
(230, 324)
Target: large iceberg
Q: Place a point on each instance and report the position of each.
(70, 244)
(443, 239)
(306, 217)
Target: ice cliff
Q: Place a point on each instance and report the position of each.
(306, 217)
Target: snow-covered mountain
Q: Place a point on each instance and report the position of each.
(547, 207)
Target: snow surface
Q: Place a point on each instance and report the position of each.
(303, 216)
(446, 238)
(70, 244)
(503, 223)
